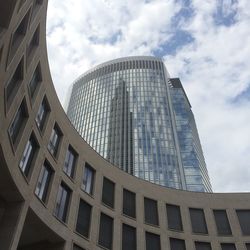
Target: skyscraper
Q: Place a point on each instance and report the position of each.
(134, 115)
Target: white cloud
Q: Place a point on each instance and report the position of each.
(214, 68)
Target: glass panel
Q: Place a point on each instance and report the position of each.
(153, 241)
(106, 231)
(108, 192)
(228, 246)
(129, 203)
(202, 246)
(83, 219)
(151, 211)
(244, 220)
(177, 244)
(128, 237)
(198, 220)
(222, 223)
(88, 179)
(174, 217)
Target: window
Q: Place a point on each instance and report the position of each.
(228, 246)
(177, 244)
(28, 155)
(54, 140)
(106, 231)
(153, 241)
(244, 220)
(248, 246)
(33, 45)
(35, 80)
(44, 181)
(128, 237)
(36, 5)
(202, 245)
(14, 83)
(70, 162)
(42, 114)
(62, 202)
(108, 192)
(75, 247)
(88, 179)
(8, 12)
(198, 220)
(83, 218)
(151, 211)
(18, 35)
(129, 205)
(174, 217)
(222, 223)
(18, 122)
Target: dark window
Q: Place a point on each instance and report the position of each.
(44, 181)
(198, 220)
(106, 231)
(222, 223)
(174, 217)
(14, 83)
(108, 192)
(62, 202)
(129, 203)
(7, 9)
(88, 179)
(54, 141)
(28, 155)
(202, 246)
(83, 219)
(18, 122)
(18, 35)
(36, 5)
(35, 81)
(151, 211)
(75, 247)
(248, 246)
(153, 241)
(244, 219)
(70, 161)
(228, 246)
(128, 237)
(177, 244)
(42, 114)
(33, 45)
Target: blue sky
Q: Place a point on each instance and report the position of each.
(204, 43)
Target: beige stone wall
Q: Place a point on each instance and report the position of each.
(28, 223)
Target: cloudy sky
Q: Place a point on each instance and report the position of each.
(204, 43)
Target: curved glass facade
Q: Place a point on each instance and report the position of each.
(126, 110)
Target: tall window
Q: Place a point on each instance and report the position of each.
(129, 204)
(177, 244)
(244, 220)
(151, 211)
(18, 122)
(128, 237)
(70, 161)
(54, 140)
(44, 181)
(14, 83)
(62, 202)
(174, 217)
(35, 80)
(88, 179)
(222, 223)
(198, 220)
(28, 155)
(83, 218)
(75, 247)
(42, 114)
(108, 192)
(106, 231)
(153, 241)
(202, 245)
(228, 246)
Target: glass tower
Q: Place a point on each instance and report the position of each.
(134, 115)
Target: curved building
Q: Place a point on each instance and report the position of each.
(138, 118)
(57, 193)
